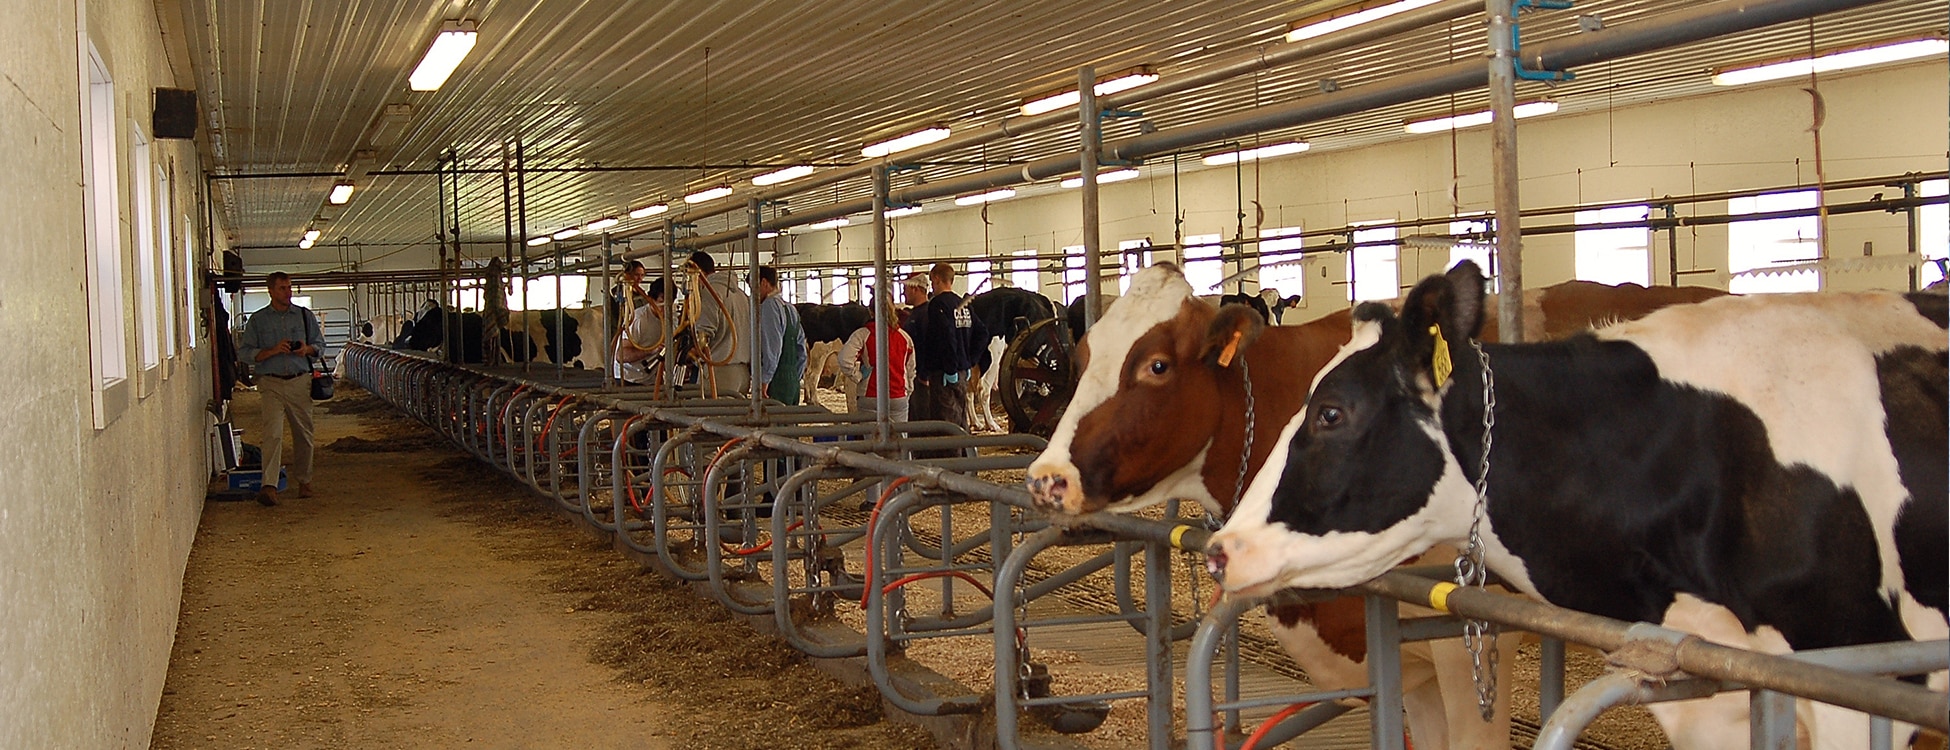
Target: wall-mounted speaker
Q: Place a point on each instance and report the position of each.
(174, 115)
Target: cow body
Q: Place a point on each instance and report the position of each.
(1766, 471)
(826, 327)
(1007, 312)
(1110, 453)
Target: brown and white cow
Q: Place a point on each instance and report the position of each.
(1158, 416)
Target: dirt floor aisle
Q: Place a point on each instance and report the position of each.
(423, 600)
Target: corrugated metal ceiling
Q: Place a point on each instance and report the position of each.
(299, 87)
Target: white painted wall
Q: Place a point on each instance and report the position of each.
(95, 525)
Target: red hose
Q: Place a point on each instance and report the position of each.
(872, 519)
(1272, 721)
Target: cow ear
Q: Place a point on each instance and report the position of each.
(1442, 314)
(1230, 332)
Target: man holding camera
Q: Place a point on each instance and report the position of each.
(280, 340)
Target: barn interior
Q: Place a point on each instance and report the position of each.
(1320, 152)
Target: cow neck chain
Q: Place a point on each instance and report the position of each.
(1471, 570)
(1245, 454)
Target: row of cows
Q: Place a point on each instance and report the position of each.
(1765, 472)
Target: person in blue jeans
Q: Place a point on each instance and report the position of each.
(947, 346)
(279, 340)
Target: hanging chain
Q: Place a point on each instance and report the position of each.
(1478, 635)
(1246, 454)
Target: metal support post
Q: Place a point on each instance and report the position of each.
(881, 325)
(667, 391)
(1771, 719)
(1503, 163)
(1093, 304)
(1385, 672)
(1550, 686)
(753, 220)
(1157, 640)
(1913, 237)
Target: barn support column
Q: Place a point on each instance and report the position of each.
(1508, 261)
(521, 219)
(878, 303)
(752, 221)
(667, 390)
(1093, 300)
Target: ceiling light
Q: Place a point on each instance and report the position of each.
(1833, 61)
(1361, 13)
(305, 244)
(566, 233)
(1107, 85)
(1473, 119)
(341, 194)
(312, 235)
(538, 241)
(1262, 152)
(600, 224)
(783, 175)
(767, 234)
(709, 194)
(903, 211)
(992, 195)
(456, 39)
(915, 139)
(831, 223)
(1103, 178)
(649, 211)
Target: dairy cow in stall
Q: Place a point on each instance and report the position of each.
(1766, 472)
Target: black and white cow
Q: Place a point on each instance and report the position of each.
(1766, 471)
(1006, 312)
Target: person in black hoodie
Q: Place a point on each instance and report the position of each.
(947, 347)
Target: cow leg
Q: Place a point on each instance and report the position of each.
(1327, 669)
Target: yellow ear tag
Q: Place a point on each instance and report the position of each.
(1231, 350)
(1440, 361)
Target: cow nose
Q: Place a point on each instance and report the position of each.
(1049, 491)
(1215, 560)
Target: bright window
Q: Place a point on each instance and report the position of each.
(166, 252)
(1203, 266)
(1372, 270)
(1023, 271)
(1614, 256)
(147, 301)
(978, 276)
(192, 281)
(1072, 273)
(813, 293)
(1136, 257)
(867, 291)
(539, 294)
(1766, 243)
(1934, 227)
(104, 236)
(1282, 246)
(841, 293)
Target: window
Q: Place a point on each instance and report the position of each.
(1023, 272)
(1766, 243)
(166, 252)
(1934, 227)
(1202, 264)
(1614, 256)
(841, 294)
(148, 343)
(539, 294)
(867, 291)
(192, 281)
(978, 276)
(813, 293)
(1073, 268)
(106, 333)
(1136, 257)
(1371, 269)
(1282, 246)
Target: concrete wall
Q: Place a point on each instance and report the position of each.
(95, 525)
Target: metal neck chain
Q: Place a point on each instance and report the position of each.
(1479, 636)
(1245, 454)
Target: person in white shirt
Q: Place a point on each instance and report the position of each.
(640, 343)
(724, 326)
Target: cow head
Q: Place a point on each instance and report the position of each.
(1363, 478)
(1146, 406)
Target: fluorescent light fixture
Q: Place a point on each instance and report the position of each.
(708, 194)
(980, 198)
(341, 194)
(538, 241)
(1103, 178)
(600, 224)
(1833, 61)
(1262, 152)
(312, 235)
(783, 175)
(649, 211)
(1473, 119)
(456, 39)
(566, 233)
(830, 223)
(903, 211)
(915, 139)
(305, 244)
(767, 234)
(1106, 86)
(1362, 13)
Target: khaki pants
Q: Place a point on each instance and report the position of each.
(286, 400)
(734, 379)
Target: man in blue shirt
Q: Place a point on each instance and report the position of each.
(781, 341)
(280, 339)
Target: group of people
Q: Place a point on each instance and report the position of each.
(936, 342)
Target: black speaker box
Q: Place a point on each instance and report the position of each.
(175, 114)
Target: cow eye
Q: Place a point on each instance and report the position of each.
(1158, 367)
(1328, 417)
